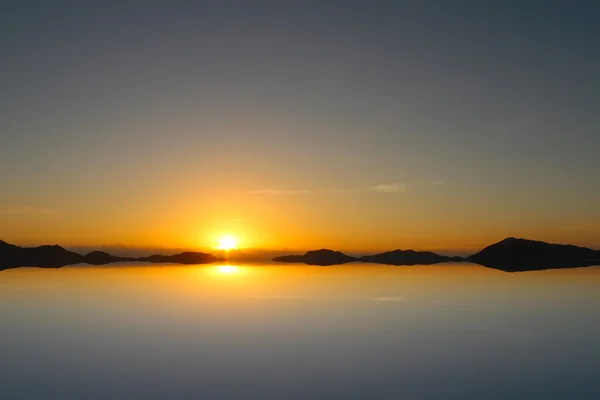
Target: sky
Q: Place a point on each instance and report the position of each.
(367, 125)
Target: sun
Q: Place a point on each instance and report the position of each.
(228, 242)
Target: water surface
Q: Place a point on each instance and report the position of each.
(267, 331)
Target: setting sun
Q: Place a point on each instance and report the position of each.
(228, 242)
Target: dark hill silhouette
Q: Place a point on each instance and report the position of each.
(46, 256)
(395, 257)
(101, 258)
(512, 255)
(188, 257)
(292, 258)
(321, 257)
(407, 257)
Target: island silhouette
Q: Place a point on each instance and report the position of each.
(514, 255)
(318, 257)
(54, 256)
(395, 257)
(510, 255)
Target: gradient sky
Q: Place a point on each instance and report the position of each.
(299, 124)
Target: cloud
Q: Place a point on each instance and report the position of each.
(397, 187)
(279, 192)
(390, 299)
(12, 210)
(428, 183)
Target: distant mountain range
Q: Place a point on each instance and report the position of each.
(409, 257)
(510, 254)
(12, 256)
(395, 257)
(318, 257)
(188, 257)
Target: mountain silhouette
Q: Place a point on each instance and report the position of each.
(321, 257)
(46, 256)
(188, 257)
(512, 255)
(101, 258)
(407, 257)
(396, 257)
(54, 256)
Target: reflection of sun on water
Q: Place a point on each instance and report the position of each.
(228, 269)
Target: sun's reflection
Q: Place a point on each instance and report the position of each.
(228, 269)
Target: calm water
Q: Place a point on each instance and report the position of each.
(283, 332)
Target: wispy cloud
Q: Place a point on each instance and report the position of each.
(431, 182)
(12, 210)
(279, 191)
(397, 187)
(390, 299)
